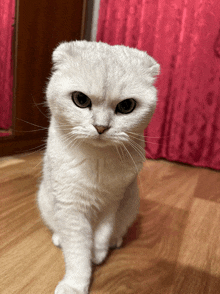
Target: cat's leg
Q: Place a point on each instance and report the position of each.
(75, 233)
(126, 214)
(45, 205)
(102, 236)
(46, 208)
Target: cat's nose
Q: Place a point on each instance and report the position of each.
(101, 129)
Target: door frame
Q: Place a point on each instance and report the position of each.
(39, 27)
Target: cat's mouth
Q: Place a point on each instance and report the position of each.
(101, 140)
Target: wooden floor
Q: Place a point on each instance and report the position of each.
(173, 247)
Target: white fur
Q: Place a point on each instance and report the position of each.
(88, 195)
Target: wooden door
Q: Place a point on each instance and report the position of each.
(39, 27)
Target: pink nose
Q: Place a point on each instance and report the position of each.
(101, 129)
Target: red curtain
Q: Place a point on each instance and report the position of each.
(184, 37)
(7, 12)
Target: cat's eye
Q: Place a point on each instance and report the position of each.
(126, 106)
(81, 100)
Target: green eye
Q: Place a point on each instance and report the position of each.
(81, 100)
(126, 106)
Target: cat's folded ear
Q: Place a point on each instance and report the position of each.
(61, 54)
(153, 68)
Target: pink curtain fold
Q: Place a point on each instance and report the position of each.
(7, 12)
(184, 37)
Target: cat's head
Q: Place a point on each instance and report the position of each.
(100, 93)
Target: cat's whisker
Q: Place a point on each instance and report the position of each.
(68, 140)
(42, 103)
(41, 128)
(141, 151)
(144, 140)
(36, 171)
(48, 117)
(148, 158)
(132, 136)
(138, 176)
(153, 143)
(37, 149)
(138, 149)
(66, 136)
(135, 134)
(130, 156)
(146, 136)
(122, 151)
(65, 130)
(161, 137)
(141, 148)
(35, 167)
(72, 140)
(118, 152)
(62, 125)
(16, 131)
(144, 151)
(149, 155)
(77, 142)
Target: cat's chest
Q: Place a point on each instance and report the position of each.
(100, 172)
(108, 172)
(105, 176)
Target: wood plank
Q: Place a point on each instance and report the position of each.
(172, 248)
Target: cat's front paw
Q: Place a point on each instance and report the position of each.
(63, 288)
(99, 255)
(116, 242)
(56, 240)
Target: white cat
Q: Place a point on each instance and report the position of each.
(101, 99)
